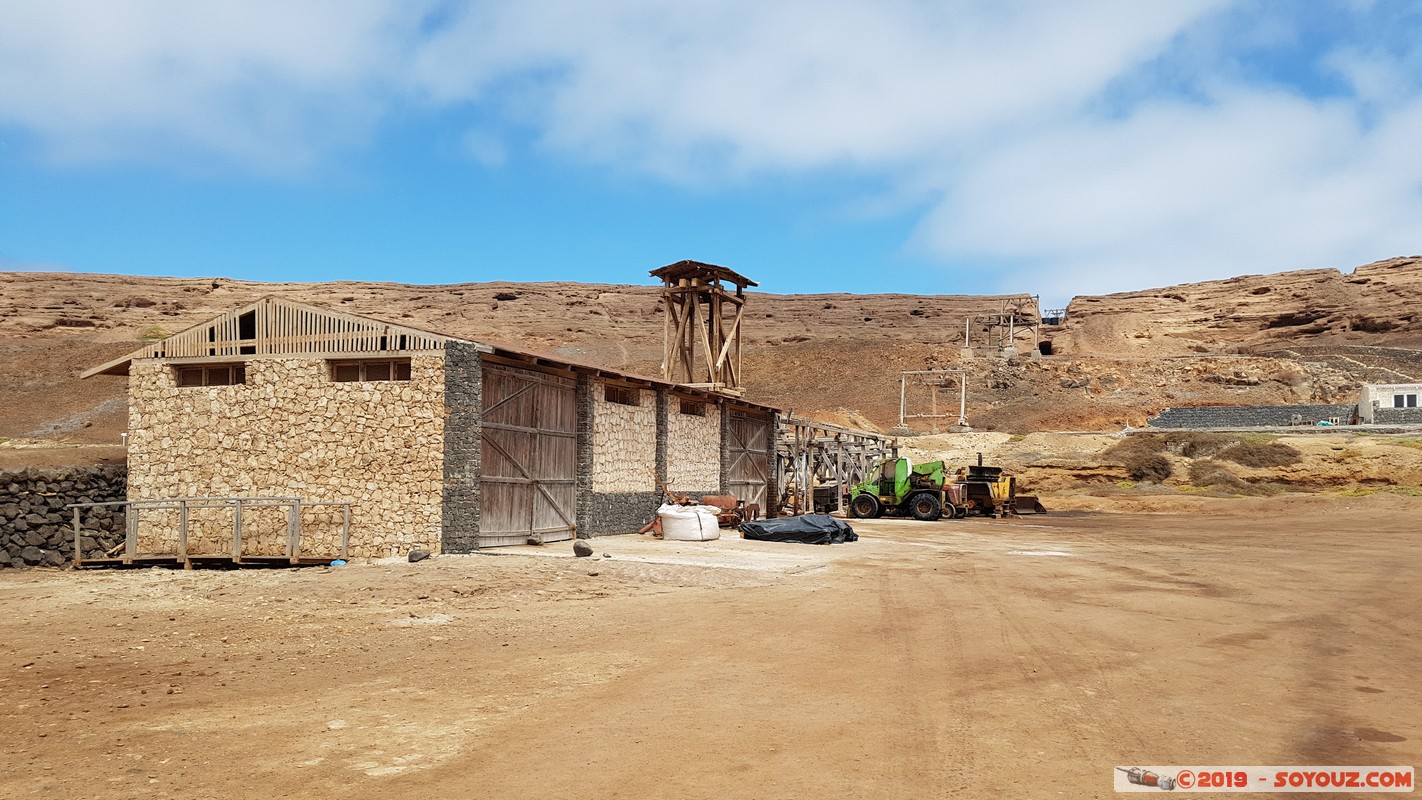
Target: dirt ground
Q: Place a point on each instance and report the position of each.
(978, 658)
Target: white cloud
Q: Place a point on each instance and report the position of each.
(1085, 146)
(265, 83)
(1252, 182)
(689, 90)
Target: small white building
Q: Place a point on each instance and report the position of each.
(1390, 404)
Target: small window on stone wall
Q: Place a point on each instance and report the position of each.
(211, 375)
(623, 395)
(387, 369)
(1404, 401)
(693, 408)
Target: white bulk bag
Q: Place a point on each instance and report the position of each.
(689, 523)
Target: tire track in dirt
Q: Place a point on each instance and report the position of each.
(916, 620)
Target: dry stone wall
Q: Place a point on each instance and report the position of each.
(624, 443)
(1249, 416)
(35, 527)
(292, 431)
(693, 449)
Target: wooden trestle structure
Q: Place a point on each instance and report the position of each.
(818, 462)
(1016, 315)
(702, 328)
(275, 327)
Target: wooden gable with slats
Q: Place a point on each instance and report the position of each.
(276, 327)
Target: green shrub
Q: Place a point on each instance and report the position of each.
(1260, 454)
(1197, 444)
(1191, 444)
(1209, 473)
(1151, 467)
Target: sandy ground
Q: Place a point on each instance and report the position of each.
(977, 658)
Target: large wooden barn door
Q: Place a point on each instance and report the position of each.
(529, 461)
(750, 457)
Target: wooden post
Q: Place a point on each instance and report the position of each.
(130, 537)
(183, 534)
(345, 529)
(295, 532)
(237, 531)
(839, 480)
(78, 554)
(903, 397)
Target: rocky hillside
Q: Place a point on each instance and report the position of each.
(801, 351)
(1298, 337)
(1376, 304)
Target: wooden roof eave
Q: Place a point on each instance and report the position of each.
(626, 378)
(119, 366)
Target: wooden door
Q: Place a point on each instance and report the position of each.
(750, 458)
(529, 463)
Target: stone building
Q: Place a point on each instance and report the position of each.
(1390, 404)
(438, 442)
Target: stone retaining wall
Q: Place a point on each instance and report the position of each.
(292, 431)
(1249, 416)
(36, 529)
(1398, 416)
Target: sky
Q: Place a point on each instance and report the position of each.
(943, 146)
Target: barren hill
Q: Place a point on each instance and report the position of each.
(1376, 304)
(1118, 358)
(812, 353)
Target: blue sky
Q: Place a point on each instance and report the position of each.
(929, 147)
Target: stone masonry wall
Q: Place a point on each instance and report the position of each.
(1398, 416)
(618, 455)
(463, 446)
(37, 529)
(291, 431)
(624, 443)
(1248, 416)
(693, 449)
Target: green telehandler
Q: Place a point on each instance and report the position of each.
(900, 488)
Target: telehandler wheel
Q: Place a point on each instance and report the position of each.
(865, 506)
(925, 507)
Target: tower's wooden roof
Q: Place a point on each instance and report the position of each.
(696, 269)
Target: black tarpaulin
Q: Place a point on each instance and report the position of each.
(806, 528)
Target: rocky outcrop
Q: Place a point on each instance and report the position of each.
(35, 527)
(1376, 302)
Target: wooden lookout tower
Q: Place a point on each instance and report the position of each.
(703, 325)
